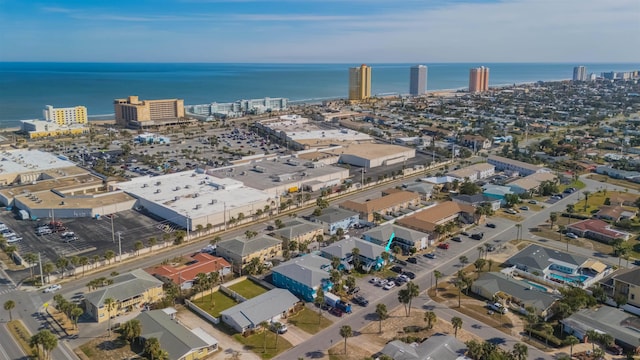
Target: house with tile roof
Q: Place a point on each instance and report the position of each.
(614, 213)
(597, 230)
(185, 275)
(427, 219)
(404, 237)
(531, 182)
(130, 291)
(271, 306)
(240, 250)
(394, 201)
(180, 342)
(304, 276)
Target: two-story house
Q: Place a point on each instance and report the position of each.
(473, 172)
(240, 250)
(334, 218)
(368, 255)
(304, 276)
(403, 237)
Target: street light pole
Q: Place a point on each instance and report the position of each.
(120, 246)
(113, 234)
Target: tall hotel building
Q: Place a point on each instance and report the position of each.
(479, 79)
(359, 83)
(65, 116)
(136, 113)
(418, 80)
(579, 73)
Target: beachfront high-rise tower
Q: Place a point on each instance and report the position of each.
(65, 116)
(479, 79)
(136, 113)
(418, 80)
(579, 73)
(359, 83)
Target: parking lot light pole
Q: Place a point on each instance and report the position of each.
(113, 234)
(120, 246)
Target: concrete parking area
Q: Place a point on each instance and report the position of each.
(94, 236)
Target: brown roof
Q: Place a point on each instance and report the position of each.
(385, 202)
(621, 198)
(613, 212)
(428, 219)
(474, 138)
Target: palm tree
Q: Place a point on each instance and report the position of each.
(571, 340)
(381, 311)
(480, 251)
(456, 322)
(592, 337)
(553, 217)
(463, 260)
(110, 305)
(44, 342)
(430, 318)
(152, 242)
(31, 259)
(62, 264)
(48, 268)
(152, 348)
(76, 312)
(598, 353)
(213, 278)
(413, 291)
(83, 261)
(606, 340)
(479, 264)
(319, 301)
(265, 327)
(346, 332)
(586, 199)
(8, 306)
(131, 329)
(437, 275)
(277, 327)
(520, 351)
(355, 254)
(108, 255)
(138, 245)
(548, 330)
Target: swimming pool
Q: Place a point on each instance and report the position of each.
(574, 279)
(538, 287)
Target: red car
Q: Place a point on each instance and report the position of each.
(444, 246)
(335, 311)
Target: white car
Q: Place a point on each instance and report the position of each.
(53, 288)
(390, 285)
(13, 239)
(572, 236)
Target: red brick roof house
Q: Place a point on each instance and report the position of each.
(186, 274)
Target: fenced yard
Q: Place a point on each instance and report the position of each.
(248, 289)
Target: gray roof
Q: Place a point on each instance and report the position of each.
(261, 308)
(307, 270)
(420, 188)
(630, 277)
(343, 248)
(333, 215)
(295, 228)
(536, 257)
(125, 286)
(437, 347)
(615, 322)
(383, 233)
(496, 189)
(494, 282)
(244, 247)
(474, 199)
(174, 338)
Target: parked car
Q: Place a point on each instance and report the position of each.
(477, 236)
(53, 288)
(525, 208)
(390, 285)
(498, 308)
(409, 274)
(430, 256)
(444, 246)
(412, 260)
(572, 235)
(534, 202)
(336, 312)
(615, 349)
(355, 290)
(464, 233)
(374, 280)
(491, 225)
(381, 282)
(396, 269)
(360, 300)
(283, 328)
(510, 211)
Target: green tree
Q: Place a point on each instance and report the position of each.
(43, 342)
(456, 323)
(30, 259)
(9, 305)
(62, 264)
(319, 301)
(586, 199)
(520, 351)
(265, 328)
(479, 264)
(547, 329)
(108, 255)
(437, 275)
(110, 305)
(138, 245)
(48, 268)
(277, 327)
(430, 318)
(553, 217)
(346, 332)
(463, 260)
(381, 311)
(75, 313)
(571, 340)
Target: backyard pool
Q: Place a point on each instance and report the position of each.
(574, 279)
(538, 287)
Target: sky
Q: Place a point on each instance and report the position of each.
(320, 31)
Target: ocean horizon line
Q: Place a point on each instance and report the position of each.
(573, 63)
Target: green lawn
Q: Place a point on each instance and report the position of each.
(216, 303)
(256, 343)
(248, 289)
(307, 320)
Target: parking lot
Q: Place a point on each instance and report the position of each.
(94, 236)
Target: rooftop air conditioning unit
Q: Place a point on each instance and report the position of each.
(158, 183)
(196, 195)
(157, 191)
(144, 185)
(187, 186)
(176, 198)
(198, 206)
(214, 201)
(193, 175)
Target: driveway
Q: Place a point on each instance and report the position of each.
(295, 335)
(226, 343)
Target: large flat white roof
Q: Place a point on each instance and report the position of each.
(26, 161)
(192, 193)
(337, 135)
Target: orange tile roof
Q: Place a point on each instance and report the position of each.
(385, 202)
(427, 220)
(205, 264)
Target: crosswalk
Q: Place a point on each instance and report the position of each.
(7, 289)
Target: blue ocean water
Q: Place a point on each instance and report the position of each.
(25, 88)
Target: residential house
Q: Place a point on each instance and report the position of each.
(303, 276)
(624, 199)
(129, 290)
(185, 275)
(477, 200)
(179, 342)
(519, 294)
(437, 346)
(240, 250)
(497, 192)
(394, 201)
(403, 237)
(369, 256)
(428, 219)
(597, 230)
(614, 213)
(531, 182)
(473, 172)
(271, 306)
(514, 166)
(557, 267)
(423, 189)
(298, 230)
(475, 142)
(618, 173)
(333, 218)
(622, 326)
(625, 282)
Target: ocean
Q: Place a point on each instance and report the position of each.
(25, 88)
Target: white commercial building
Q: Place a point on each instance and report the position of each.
(191, 198)
(27, 166)
(370, 155)
(66, 116)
